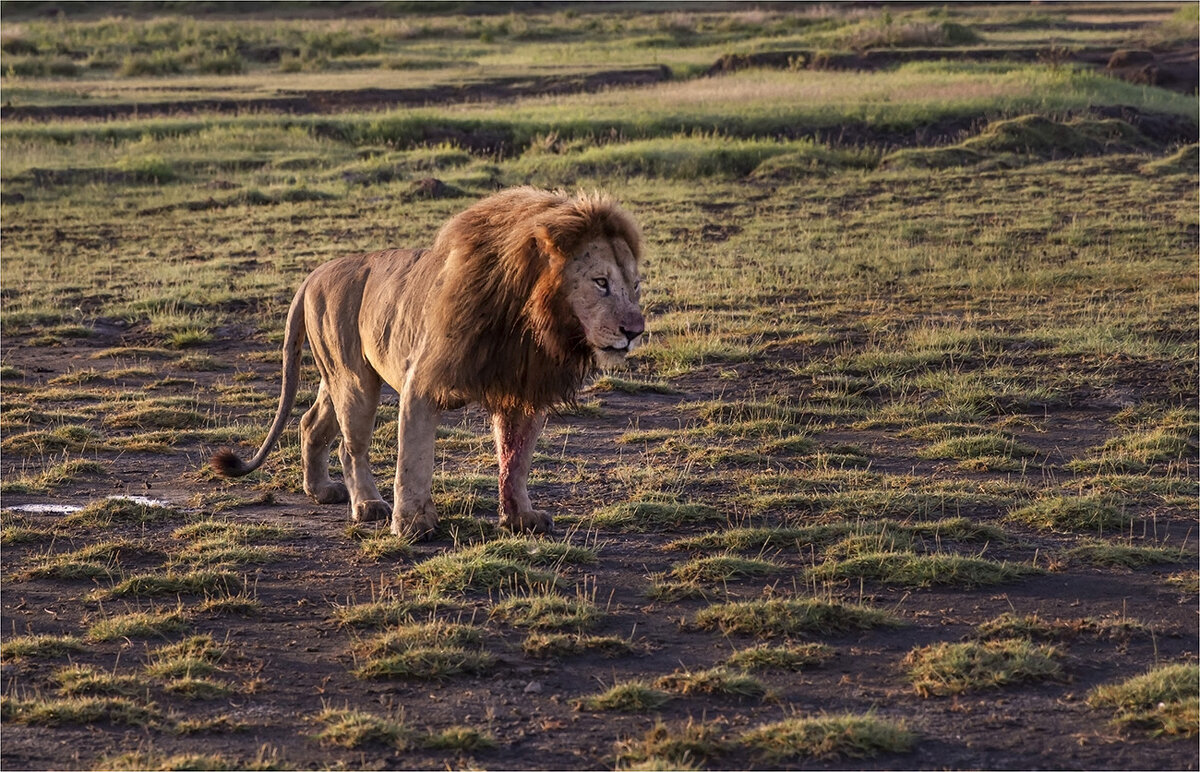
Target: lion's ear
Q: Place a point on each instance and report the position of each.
(546, 244)
(559, 235)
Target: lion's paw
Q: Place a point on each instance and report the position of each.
(416, 522)
(533, 521)
(330, 493)
(370, 511)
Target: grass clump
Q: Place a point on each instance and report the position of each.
(1071, 513)
(793, 657)
(92, 562)
(714, 569)
(911, 570)
(197, 688)
(463, 572)
(405, 637)
(829, 737)
(717, 680)
(201, 582)
(628, 697)
(427, 662)
(977, 446)
(613, 383)
(137, 624)
(81, 710)
(191, 658)
(40, 646)
(459, 738)
(501, 564)
(55, 477)
(121, 511)
(951, 668)
(76, 680)
(543, 645)
(385, 611)
(643, 516)
(789, 616)
(664, 747)
(349, 728)
(1163, 700)
(1109, 555)
(428, 650)
(546, 612)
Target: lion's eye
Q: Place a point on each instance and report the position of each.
(602, 284)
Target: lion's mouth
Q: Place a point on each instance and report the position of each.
(621, 347)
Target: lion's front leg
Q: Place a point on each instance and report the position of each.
(413, 513)
(516, 436)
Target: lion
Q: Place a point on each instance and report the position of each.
(520, 298)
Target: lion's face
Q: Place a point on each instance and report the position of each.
(603, 288)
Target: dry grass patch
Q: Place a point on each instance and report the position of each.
(907, 569)
(716, 681)
(1163, 700)
(427, 662)
(654, 515)
(628, 697)
(1103, 554)
(951, 668)
(1071, 513)
(714, 569)
(387, 611)
(789, 616)
(459, 738)
(793, 657)
(121, 511)
(544, 645)
(546, 611)
(201, 582)
(191, 658)
(54, 477)
(80, 710)
(137, 624)
(95, 561)
(349, 728)
(829, 737)
(666, 747)
(40, 646)
(77, 680)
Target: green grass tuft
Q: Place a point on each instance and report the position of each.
(348, 728)
(910, 570)
(137, 624)
(654, 515)
(789, 616)
(951, 668)
(717, 681)
(829, 737)
(793, 657)
(627, 697)
(1070, 513)
(1163, 700)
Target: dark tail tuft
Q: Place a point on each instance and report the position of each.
(228, 464)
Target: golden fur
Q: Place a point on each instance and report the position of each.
(511, 307)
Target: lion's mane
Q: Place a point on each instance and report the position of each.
(498, 329)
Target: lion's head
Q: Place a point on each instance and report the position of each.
(537, 288)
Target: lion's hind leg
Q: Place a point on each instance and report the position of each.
(355, 402)
(318, 430)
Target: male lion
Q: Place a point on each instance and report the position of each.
(521, 296)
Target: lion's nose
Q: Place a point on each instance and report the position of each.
(632, 333)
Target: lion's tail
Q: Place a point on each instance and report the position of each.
(226, 462)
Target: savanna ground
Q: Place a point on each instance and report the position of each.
(905, 476)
